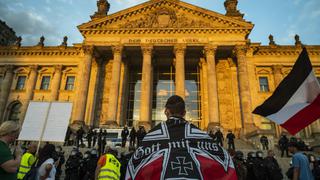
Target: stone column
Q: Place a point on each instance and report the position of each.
(31, 83)
(277, 74)
(245, 95)
(212, 87)
(180, 70)
(56, 81)
(84, 77)
(146, 87)
(114, 88)
(5, 89)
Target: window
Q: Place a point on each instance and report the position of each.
(70, 83)
(45, 83)
(264, 85)
(14, 112)
(21, 82)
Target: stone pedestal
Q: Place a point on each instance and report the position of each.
(146, 125)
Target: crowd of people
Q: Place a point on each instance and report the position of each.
(174, 140)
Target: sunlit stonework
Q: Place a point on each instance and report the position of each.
(131, 61)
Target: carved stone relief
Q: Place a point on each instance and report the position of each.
(165, 18)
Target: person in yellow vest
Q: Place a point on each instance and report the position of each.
(27, 161)
(108, 167)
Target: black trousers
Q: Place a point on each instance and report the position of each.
(231, 145)
(124, 140)
(284, 150)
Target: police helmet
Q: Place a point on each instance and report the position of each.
(259, 154)
(251, 155)
(94, 152)
(74, 152)
(239, 155)
(87, 155)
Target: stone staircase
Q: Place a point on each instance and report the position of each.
(240, 144)
(247, 147)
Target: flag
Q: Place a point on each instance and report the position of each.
(176, 149)
(296, 101)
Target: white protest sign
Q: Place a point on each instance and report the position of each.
(54, 117)
(58, 121)
(34, 121)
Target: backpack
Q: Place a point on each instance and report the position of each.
(32, 174)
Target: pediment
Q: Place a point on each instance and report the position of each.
(165, 14)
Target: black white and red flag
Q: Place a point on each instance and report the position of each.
(175, 150)
(296, 101)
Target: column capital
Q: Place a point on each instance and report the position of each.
(117, 49)
(277, 68)
(88, 50)
(210, 49)
(58, 68)
(147, 49)
(33, 68)
(180, 49)
(240, 51)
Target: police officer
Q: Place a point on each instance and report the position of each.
(27, 161)
(250, 166)
(124, 136)
(94, 137)
(264, 142)
(89, 165)
(72, 165)
(89, 137)
(260, 168)
(219, 137)
(273, 168)
(240, 165)
(62, 160)
(283, 145)
(108, 166)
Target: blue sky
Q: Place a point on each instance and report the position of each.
(57, 18)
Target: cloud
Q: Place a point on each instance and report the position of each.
(27, 23)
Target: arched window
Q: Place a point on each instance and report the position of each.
(14, 112)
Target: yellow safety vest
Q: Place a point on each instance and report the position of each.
(24, 165)
(111, 170)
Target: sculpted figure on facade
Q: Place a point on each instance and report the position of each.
(297, 39)
(18, 41)
(41, 42)
(165, 18)
(103, 9)
(271, 40)
(231, 8)
(65, 41)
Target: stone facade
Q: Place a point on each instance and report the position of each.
(234, 74)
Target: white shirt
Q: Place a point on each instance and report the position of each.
(42, 169)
